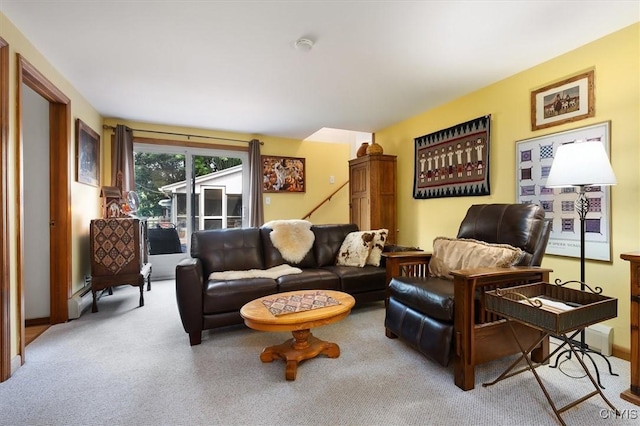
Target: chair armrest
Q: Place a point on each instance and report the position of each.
(488, 276)
(189, 293)
(405, 263)
(471, 284)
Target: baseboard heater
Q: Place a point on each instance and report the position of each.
(81, 300)
(599, 338)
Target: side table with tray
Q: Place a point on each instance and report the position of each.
(570, 312)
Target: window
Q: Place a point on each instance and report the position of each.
(190, 188)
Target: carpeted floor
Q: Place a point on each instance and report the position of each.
(133, 366)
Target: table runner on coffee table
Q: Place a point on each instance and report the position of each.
(299, 302)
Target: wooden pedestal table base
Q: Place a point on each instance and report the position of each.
(303, 345)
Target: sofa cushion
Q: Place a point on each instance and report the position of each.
(231, 295)
(309, 279)
(329, 238)
(231, 249)
(355, 249)
(359, 280)
(452, 253)
(377, 246)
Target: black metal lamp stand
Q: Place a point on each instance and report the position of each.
(582, 208)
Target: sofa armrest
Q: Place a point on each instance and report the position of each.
(189, 293)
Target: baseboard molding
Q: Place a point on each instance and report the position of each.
(37, 321)
(16, 362)
(620, 352)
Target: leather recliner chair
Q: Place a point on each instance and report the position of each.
(445, 319)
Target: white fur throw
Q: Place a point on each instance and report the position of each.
(275, 272)
(293, 238)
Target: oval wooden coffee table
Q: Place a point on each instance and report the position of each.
(303, 345)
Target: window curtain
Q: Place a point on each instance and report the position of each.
(122, 174)
(256, 210)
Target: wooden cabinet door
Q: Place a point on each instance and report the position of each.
(372, 187)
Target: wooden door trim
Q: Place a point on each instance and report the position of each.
(5, 284)
(59, 193)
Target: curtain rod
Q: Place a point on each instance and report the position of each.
(182, 134)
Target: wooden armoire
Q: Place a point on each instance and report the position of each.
(372, 193)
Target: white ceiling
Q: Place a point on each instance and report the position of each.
(233, 66)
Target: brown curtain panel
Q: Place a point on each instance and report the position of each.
(122, 160)
(256, 210)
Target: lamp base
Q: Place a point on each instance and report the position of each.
(584, 351)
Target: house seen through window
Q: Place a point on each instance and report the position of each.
(185, 190)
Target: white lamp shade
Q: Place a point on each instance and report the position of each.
(580, 164)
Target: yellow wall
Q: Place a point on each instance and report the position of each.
(321, 161)
(80, 210)
(616, 60)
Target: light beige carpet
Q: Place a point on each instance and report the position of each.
(133, 366)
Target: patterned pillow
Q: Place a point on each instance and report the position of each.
(379, 239)
(451, 254)
(355, 249)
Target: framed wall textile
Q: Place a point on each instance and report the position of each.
(533, 163)
(453, 162)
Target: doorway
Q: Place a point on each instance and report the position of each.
(59, 229)
(35, 202)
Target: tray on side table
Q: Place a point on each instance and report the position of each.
(593, 308)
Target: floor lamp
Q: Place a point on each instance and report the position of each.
(582, 164)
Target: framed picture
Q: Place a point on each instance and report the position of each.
(87, 154)
(453, 162)
(533, 162)
(568, 100)
(283, 174)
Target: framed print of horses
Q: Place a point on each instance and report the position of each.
(283, 174)
(571, 99)
(533, 163)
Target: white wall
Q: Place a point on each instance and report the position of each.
(35, 123)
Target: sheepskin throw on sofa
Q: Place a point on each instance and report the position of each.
(274, 273)
(293, 238)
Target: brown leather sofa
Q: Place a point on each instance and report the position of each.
(206, 304)
(445, 319)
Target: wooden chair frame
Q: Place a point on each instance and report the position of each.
(479, 336)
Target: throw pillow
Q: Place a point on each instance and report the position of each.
(379, 239)
(355, 249)
(451, 254)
